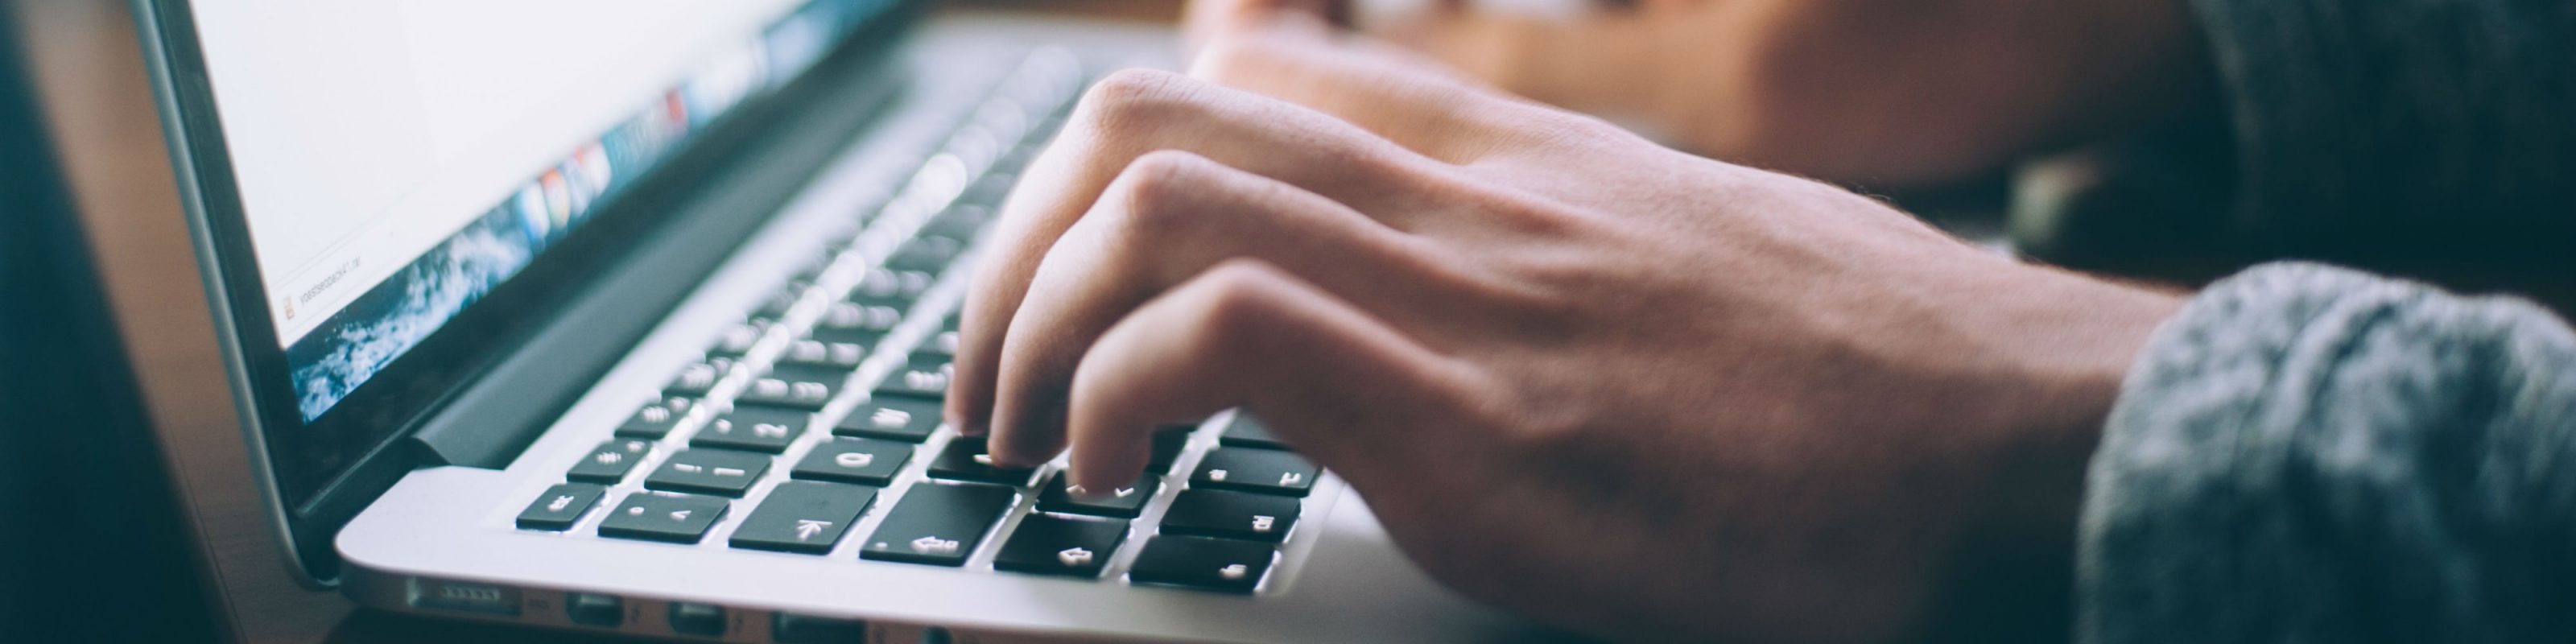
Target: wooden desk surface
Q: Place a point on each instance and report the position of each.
(94, 86)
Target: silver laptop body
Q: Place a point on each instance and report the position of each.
(594, 437)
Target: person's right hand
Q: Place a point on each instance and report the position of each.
(1578, 375)
(1879, 92)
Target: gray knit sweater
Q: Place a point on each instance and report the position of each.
(2309, 454)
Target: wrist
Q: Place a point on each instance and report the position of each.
(2010, 577)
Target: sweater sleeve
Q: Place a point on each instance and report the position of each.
(2389, 130)
(2307, 454)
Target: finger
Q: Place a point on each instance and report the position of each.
(1602, 60)
(1607, 59)
(1346, 388)
(1170, 217)
(1123, 117)
(1408, 99)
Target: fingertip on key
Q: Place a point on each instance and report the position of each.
(1087, 494)
(1009, 448)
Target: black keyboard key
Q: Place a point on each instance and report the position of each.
(965, 460)
(803, 516)
(1255, 470)
(1048, 545)
(676, 518)
(656, 420)
(1169, 442)
(923, 376)
(610, 461)
(840, 356)
(909, 420)
(851, 316)
(699, 378)
(560, 506)
(865, 461)
(737, 340)
(938, 525)
(710, 471)
(759, 429)
(1207, 564)
(1243, 431)
(1231, 515)
(1125, 502)
(803, 388)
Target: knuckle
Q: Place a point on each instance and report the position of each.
(1129, 99)
(1231, 300)
(1155, 189)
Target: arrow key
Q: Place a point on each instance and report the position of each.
(1048, 545)
(804, 516)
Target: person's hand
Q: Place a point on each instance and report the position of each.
(1611, 386)
(1885, 92)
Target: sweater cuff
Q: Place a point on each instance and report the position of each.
(2312, 454)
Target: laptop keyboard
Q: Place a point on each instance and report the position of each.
(821, 411)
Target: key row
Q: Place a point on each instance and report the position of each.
(728, 463)
(1208, 538)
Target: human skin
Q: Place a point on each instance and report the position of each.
(1614, 387)
(1896, 93)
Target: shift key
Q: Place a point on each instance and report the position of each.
(937, 524)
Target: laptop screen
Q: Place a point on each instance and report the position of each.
(395, 162)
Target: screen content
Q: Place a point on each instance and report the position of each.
(396, 161)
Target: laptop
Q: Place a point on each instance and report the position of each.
(635, 316)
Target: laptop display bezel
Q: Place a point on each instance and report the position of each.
(397, 400)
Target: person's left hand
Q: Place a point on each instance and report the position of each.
(1891, 93)
(1608, 385)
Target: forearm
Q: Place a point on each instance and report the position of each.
(2306, 454)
